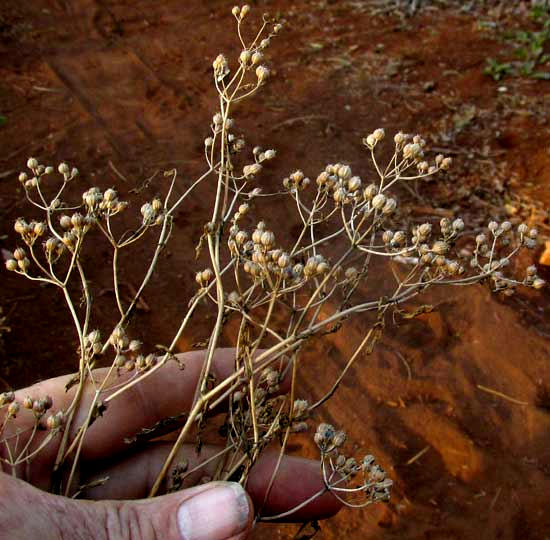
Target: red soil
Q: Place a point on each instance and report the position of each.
(124, 86)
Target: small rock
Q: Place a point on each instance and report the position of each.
(511, 210)
(545, 256)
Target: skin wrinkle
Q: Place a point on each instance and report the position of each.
(112, 521)
(8, 520)
(48, 513)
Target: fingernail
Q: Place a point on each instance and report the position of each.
(214, 514)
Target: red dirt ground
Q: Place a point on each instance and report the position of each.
(121, 88)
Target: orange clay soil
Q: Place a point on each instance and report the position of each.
(121, 89)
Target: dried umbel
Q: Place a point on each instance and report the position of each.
(278, 293)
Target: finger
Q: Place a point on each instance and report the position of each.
(165, 393)
(132, 475)
(215, 511)
(297, 480)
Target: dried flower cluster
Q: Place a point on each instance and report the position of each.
(279, 292)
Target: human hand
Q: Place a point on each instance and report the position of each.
(212, 511)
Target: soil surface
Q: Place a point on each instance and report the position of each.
(121, 89)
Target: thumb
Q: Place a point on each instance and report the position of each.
(214, 511)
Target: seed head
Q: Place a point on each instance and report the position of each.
(39, 228)
(65, 222)
(221, 68)
(387, 237)
(399, 238)
(257, 58)
(241, 237)
(140, 362)
(523, 229)
(94, 336)
(340, 195)
(446, 163)
(53, 421)
(370, 141)
(77, 220)
(339, 438)
(379, 201)
(39, 407)
(427, 258)
(458, 225)
(283, 261)
(354, 183)
(19, 254)
(369, 192)
(13, 409)
(505, 226)
(135, 345)
(344, 172)
(120, 360)
(379, 134)
(28, 402)
(249, 171)
(244, 57)
(389, 207)
(322, 178)
(323, 436)
(262, 73)
(157, 205)
(11, 265)
(440, 247)
(257, 236)
(267, 239)
(322, 268)
(24, 264)
(424, 230)
(411, 151)
(20, 226)
(453, 267)
(63, 168)
(6, 397)
(399, 138)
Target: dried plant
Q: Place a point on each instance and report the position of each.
(279, 295)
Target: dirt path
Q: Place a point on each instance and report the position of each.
(121, 89)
